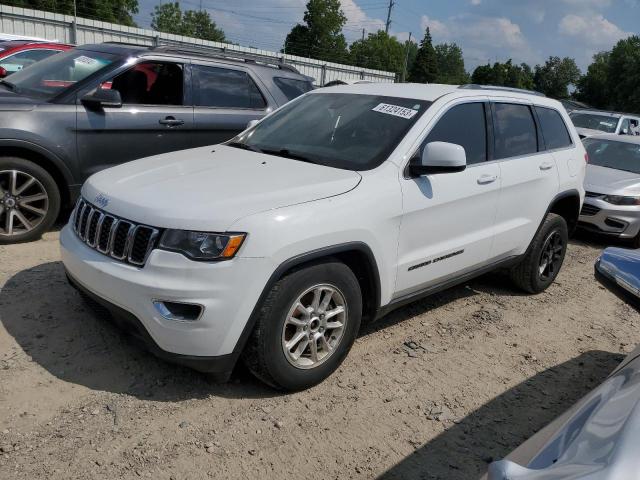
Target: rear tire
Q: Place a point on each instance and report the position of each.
(295, 310)
(543, 260)
(29, 200)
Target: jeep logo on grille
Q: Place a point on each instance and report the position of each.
(101, 200)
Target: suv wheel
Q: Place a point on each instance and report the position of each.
(29, 200)
(306, 326)
(541, 264)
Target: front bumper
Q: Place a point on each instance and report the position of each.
(603, 217)
(228, 291)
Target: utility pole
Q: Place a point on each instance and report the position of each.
(406, 60)
(74, 30)
(363, 34)
(391, 4)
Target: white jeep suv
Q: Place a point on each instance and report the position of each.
(338, 207)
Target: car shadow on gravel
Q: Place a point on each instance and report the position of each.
(61, 333)
(463, 451)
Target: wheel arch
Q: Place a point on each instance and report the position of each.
(45, 159)
(358, 256)
(567, 205)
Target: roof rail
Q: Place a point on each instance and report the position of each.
(127, 44)
(223, 52)
(473, 86)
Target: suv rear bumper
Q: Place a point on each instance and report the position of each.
(219, 366)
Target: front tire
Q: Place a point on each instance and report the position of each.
(306, 326)
(541, 264)
(29, 200)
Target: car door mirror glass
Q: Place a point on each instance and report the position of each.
(102, 98)
(439, 157)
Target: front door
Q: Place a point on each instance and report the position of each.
(448, 219)
(155, 118)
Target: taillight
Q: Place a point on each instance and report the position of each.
(586, 157)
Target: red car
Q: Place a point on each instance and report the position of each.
(18, 54)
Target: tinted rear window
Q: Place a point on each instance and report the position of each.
(515, 130)
(225, 88)
(463, 125)
(554, 130)
(292, 88)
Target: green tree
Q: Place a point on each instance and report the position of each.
(623, 79)
(593, 88)
(425, 66)
(112, 11)
(450, 64)
(504, 75)
(321, 37)
(169, 18)
(379, 51)
(555, 76)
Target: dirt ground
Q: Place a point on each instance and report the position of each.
(435, 390)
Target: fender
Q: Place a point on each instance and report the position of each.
(50, 156)
(300, 259)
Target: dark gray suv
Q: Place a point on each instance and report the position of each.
(96, 106)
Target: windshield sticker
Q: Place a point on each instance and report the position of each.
(395, 110)
(86, 60)
(607, 124)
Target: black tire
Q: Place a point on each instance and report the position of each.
(51, 206)
(264, 354)
(527, 275)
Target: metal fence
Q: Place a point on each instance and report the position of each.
(63, 28)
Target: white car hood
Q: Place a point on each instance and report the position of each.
(588, 132)
(210, 188)
(611, 181)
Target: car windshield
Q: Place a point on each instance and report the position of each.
(49, 77)
(348, 131)
(612, 154)
(593, 121)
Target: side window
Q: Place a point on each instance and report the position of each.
(150, 83)
(225, 88)
(463, 125)
(291, 87)
(634, 126)
(20, 60)
(514, 130)
(554, 130)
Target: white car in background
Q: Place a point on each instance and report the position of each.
(337, 208)
(595, 122)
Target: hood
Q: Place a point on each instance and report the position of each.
(611, 181)
(10, 101)
(210, 188)
(588, 132)
(596, 440)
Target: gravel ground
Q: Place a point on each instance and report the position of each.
(435, 390)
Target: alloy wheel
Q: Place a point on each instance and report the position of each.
(23, 203)
(551, 256)
(314, 326)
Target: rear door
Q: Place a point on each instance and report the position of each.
(226, 98)
(529, 176)
(156, 117)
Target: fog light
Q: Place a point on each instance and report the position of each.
(177, 311)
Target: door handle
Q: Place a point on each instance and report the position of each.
(546, 166)
(171, 122)
(486, 179)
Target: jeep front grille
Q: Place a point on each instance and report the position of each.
(121, 239)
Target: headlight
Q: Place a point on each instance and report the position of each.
(620, 200)
(202, 245)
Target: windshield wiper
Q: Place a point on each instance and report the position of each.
(10, 86)
(288, 154)
(244, 146)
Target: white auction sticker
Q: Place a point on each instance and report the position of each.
(395, 110)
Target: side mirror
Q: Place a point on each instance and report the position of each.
(252, 123)
(102, 98)
(624, 131)
(439, 157)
